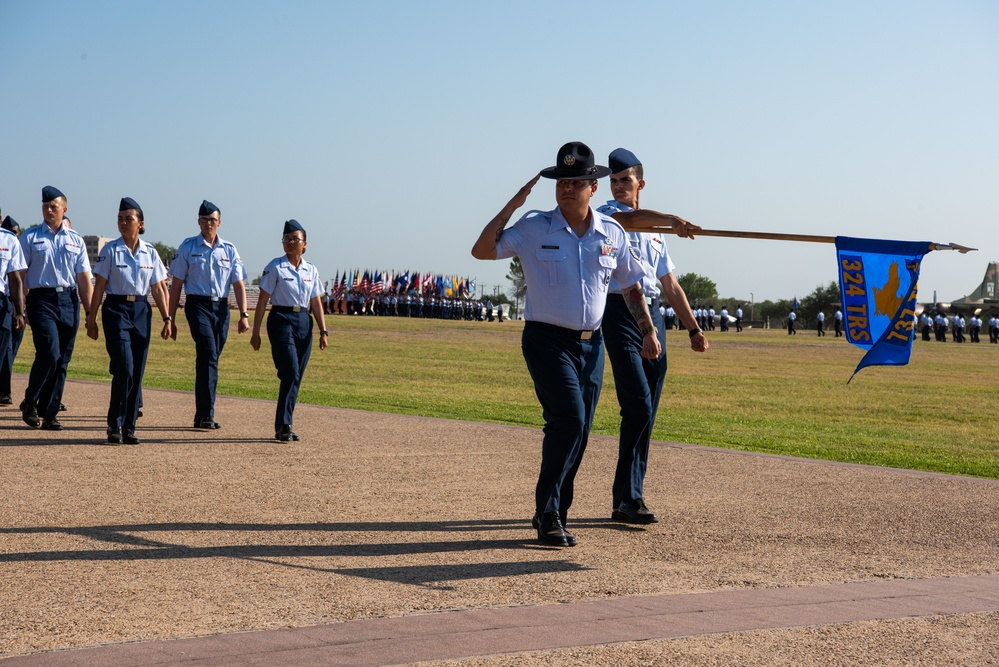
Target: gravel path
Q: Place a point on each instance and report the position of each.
(379, 516)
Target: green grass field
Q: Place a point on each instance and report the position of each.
(758, 390)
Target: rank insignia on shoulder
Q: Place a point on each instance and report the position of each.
(101, 258)
(174, 257)
(634, 253)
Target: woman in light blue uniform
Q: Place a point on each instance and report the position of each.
(127, 271)
(293, 288)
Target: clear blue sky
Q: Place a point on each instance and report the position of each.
(393, 131)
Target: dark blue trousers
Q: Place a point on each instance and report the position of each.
(55, 317)
(209, 322)
(126, 336)
(290, 335)
(567, 377)
(6, 342)
(7, 370)
(639, 384)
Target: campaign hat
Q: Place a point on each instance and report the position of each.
(575, 162)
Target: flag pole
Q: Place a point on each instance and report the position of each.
(771, 236)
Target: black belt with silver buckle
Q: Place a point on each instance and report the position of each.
(124, 297)
(571, 334)
(203, 297)
(49, 290)
(288, 309)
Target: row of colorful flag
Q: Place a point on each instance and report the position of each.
(376, 283)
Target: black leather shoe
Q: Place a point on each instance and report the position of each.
(129, 438)
(639, 515)
(569, 537)
(139, 414)
(62, 408)
(114, 435)
(286, 434)
(646, 511)
(207, 424)
(30, 415)
(51, 425)
(550, 530)
(6, 399)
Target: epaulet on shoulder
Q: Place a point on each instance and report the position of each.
(535, 213)
(610, 221)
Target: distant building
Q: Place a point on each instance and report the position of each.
(94, 245)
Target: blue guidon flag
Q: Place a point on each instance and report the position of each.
(877, 284)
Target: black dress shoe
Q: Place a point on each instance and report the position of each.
(6, 399)
(129, 438)
(139, 414)
(51, 425)
(286, 434)
(550, 530)
(569, 537)
(62, 408)
(207, 424)
(114, 435)
(30, 415)
(640, 515)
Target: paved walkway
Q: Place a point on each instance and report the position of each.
(383, 539)
(476, 632)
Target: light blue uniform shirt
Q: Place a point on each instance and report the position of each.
(128, 274)
(567, 276)
(289, 286)
(207, 270)
(11, 258)
(54, 259)
(652, 254)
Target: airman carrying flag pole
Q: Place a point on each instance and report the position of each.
(877, 281)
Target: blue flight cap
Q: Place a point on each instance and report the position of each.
(621, 159)
(10, 224)
(293, 226)
(49, 193)
(127, 203)
(207, 208)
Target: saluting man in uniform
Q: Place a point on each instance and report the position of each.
(127, 271)
(12, 265)
(639, 380)
(206, 266)
(293, 288)
(57, 280)
(569, 255)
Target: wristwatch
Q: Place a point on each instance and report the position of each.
(694, 332)
(168, 319)
(244, 314)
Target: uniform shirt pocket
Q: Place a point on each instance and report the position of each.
(607, 266)
(551, 258)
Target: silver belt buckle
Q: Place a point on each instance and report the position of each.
(60, 289)
(215, 298)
